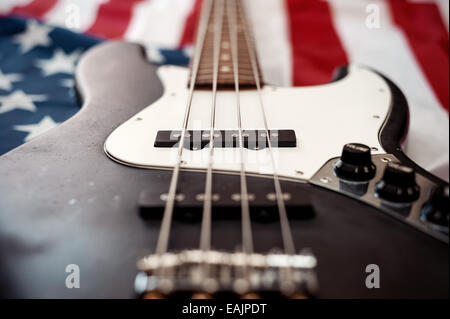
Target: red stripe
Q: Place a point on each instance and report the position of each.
(35, 9)
(428, 38)
(316, 48)
(190, 26)
(113, 18)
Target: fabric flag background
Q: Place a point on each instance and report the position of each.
(300, 42)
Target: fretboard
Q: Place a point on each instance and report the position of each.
(245, 42)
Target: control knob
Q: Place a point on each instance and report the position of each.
(355, 164)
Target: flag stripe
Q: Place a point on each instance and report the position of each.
(444, 9)
(386, 50)
(37, 8)
(190, 25)
(427, 35)
(150, 24)
(7, 5)
(272, 39)
(113, 18)
(78, 15)
(317, 49)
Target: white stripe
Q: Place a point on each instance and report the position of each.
(386, 49)
(78, 15)
(270, 25)
(8, 5)
(444, 8)
(159, 23)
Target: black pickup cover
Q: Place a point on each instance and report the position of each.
(226, 204)
(253, 139)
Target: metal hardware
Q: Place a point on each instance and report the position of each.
(267, 274)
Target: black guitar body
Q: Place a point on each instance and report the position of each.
(63, 201)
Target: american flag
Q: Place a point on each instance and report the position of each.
(300, 43)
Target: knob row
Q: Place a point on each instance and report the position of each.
(397, 185)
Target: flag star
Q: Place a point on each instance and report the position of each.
(155, 56)
(68, 83)
(7, 79)
(19, 100)
(59, 63)
(188, 51)
(35, 130)
(34, 35)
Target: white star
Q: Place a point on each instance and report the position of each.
(68, 83)
(7, 79)
(59, 63)
(19, 100)
(35, 130)
(155, 56)
(188, 51)
(35, 34)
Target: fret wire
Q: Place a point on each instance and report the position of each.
(163, 239)
(243, 59)
(288, 240)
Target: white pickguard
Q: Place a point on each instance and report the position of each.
(325, 118)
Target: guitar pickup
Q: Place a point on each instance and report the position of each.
(253, 139)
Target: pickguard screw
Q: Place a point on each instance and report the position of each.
(374, 149)
(386, 160)
(299, 172)
(376, 117)
(325, 180)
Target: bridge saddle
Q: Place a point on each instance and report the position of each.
(214, 273)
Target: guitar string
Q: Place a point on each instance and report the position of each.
(288, 241)
(205, 238)
(163, 239)
(247, 237)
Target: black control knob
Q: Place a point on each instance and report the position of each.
(398, 184)
(355, 163)
(437, 210)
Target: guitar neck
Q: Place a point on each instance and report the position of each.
(231, 15)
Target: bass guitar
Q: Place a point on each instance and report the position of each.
(206, 181)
